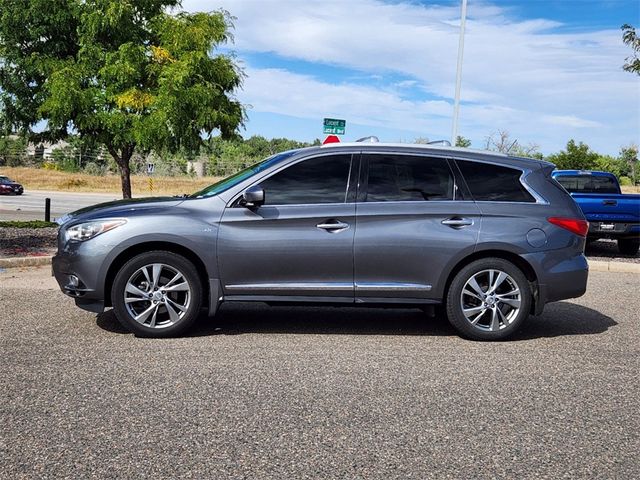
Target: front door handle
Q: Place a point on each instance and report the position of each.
(457, 222)
(333, 225)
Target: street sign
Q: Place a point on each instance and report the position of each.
(334, 126)
(150, 168)
(331, 139)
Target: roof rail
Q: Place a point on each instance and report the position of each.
(446, 143)
(369, 139)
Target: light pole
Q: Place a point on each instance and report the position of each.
(456, 100)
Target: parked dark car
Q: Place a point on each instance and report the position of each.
(491, 237)
(611, 214)
(9, 187)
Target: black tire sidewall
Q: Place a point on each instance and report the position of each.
(168, 258)
(628, 246)
(454, 311)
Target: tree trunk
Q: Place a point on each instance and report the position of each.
(125, 178)
(122, 159)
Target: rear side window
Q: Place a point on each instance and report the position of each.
(317, 180)
(406, 178)
(494, 183)
(587, 183)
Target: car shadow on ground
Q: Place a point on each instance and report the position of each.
(559, 319)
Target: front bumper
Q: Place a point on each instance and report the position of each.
(78, 269)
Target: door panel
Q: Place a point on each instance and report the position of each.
(401, 248)
(412, 221)
(280, 250)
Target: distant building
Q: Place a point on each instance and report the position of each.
(44, 150)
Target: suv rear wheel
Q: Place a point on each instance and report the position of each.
(157, 294)
(488, 299)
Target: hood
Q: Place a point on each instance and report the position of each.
(120, 208)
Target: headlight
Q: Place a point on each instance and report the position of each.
(85, 231)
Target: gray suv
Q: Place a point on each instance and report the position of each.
(493, 238)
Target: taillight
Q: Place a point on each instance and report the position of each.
(574, 225)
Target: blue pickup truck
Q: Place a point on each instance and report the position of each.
(610, 213)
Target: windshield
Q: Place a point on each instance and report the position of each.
(5, 180)
(235, 179)
(588, 184)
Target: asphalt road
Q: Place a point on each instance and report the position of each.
(297, 393)
(30, 205)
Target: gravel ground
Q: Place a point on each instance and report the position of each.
(24, 242)
(307, 393)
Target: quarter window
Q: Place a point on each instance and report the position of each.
(407, 178)
(495, 183)
(317, 180)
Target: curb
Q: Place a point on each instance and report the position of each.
(594, 265)
(25, 261)
(619, 267)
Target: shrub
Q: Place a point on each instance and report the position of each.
(93, 168)
(626, 182)
(73, 183)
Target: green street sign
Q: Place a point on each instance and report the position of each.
(334, 126)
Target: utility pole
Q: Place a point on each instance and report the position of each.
(456, 100)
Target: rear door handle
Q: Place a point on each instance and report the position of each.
(457, 222)
(333, 225)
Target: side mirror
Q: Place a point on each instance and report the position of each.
(253, 197)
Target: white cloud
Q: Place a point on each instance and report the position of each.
(524, 76)
(570, 121)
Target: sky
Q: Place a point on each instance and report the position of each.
(545, 71)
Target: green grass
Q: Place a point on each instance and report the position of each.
(28, 224)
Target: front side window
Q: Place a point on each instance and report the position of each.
(317, 180)
(494, 183)
(226, 183)
(408, 178)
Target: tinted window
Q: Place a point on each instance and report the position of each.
(587, 184)
(318, 180)
(227, 183)
(404, 178)
(494, 183)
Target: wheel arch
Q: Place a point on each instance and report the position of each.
(514, 258)
(133, 250)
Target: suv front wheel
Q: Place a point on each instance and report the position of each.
(157, 294)
(488, 299)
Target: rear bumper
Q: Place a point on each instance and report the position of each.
(605, 229)
(559, 277)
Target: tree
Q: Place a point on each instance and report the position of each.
(12, 151)
(577, 156)
(462, 142)
(629, 37)
(500, 141)
(127, 74)
(629, 155)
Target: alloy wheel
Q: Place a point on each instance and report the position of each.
(490, 300)
(157, 295)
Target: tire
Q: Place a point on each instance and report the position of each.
(628, 246)
(154, 311)
(488, 317)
